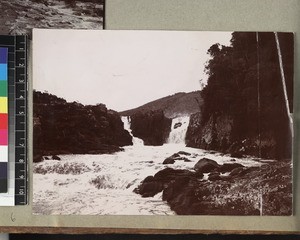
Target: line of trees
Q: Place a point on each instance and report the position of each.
(245, 83)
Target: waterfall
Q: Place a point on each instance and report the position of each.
(127, 126)
(178, 130)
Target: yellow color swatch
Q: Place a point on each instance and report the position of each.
(3, 104)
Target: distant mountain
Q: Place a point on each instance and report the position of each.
(174, 105)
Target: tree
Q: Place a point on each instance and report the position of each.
(244, 82)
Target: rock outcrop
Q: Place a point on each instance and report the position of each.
(177, 157)
(239, 193)
(216, 134)
(60, 127)
(153, 127)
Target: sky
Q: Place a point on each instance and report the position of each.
(122, 69)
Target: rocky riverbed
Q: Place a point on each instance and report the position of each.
(20, 16)
(231, 188)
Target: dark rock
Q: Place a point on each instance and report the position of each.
(212, 134)
(55, 157)
(227, 178)
(206, 165)
(184, 153)
(177, 125)
(214, 173)
(46, 158)
(175, 188)
(169, 161)
(149, 189)
(71, 127)
(153, 127)
(241, 171)
(194, 131)
(188, 196)
(175, 155)
(153, 185)
(149, 179)
(38, 158)
(199, 175)
(236, 171)
(214, 177)
(227, 167)
(169, 174)
(237, 155)
(106, 149)
(232, 160)
(187, 160)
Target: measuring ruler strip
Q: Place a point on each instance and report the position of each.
(21, 120)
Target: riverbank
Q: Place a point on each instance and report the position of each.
(228, 189)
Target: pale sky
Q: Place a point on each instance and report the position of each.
(122, 69)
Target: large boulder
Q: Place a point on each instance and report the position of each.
(169, 174)
(153, 127)
(206, 165)
(169, 160)
(149, 189)
(152, 185)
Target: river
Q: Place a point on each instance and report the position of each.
(103, 184)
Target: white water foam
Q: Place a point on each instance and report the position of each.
(178, 130)
(118, 174)
(104, 184)
(127, 126)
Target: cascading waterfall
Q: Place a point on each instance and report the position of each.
(178, 130)
(127, 126)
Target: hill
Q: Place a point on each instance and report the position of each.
(174, 105)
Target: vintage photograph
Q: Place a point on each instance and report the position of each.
(162, 123)
(21, 16)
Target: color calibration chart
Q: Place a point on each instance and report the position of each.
(3, 119)
(13, 116)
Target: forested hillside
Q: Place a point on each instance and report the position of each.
(174, 105)
(244, 109)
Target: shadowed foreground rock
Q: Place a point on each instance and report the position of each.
(152, 185)
(239, 193)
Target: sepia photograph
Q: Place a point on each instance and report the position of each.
(162, 122)
(21, 16)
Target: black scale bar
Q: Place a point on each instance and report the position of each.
(20, 120)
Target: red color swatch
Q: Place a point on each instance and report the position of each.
(3, 121)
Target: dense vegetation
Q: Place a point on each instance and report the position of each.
(245, 89)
